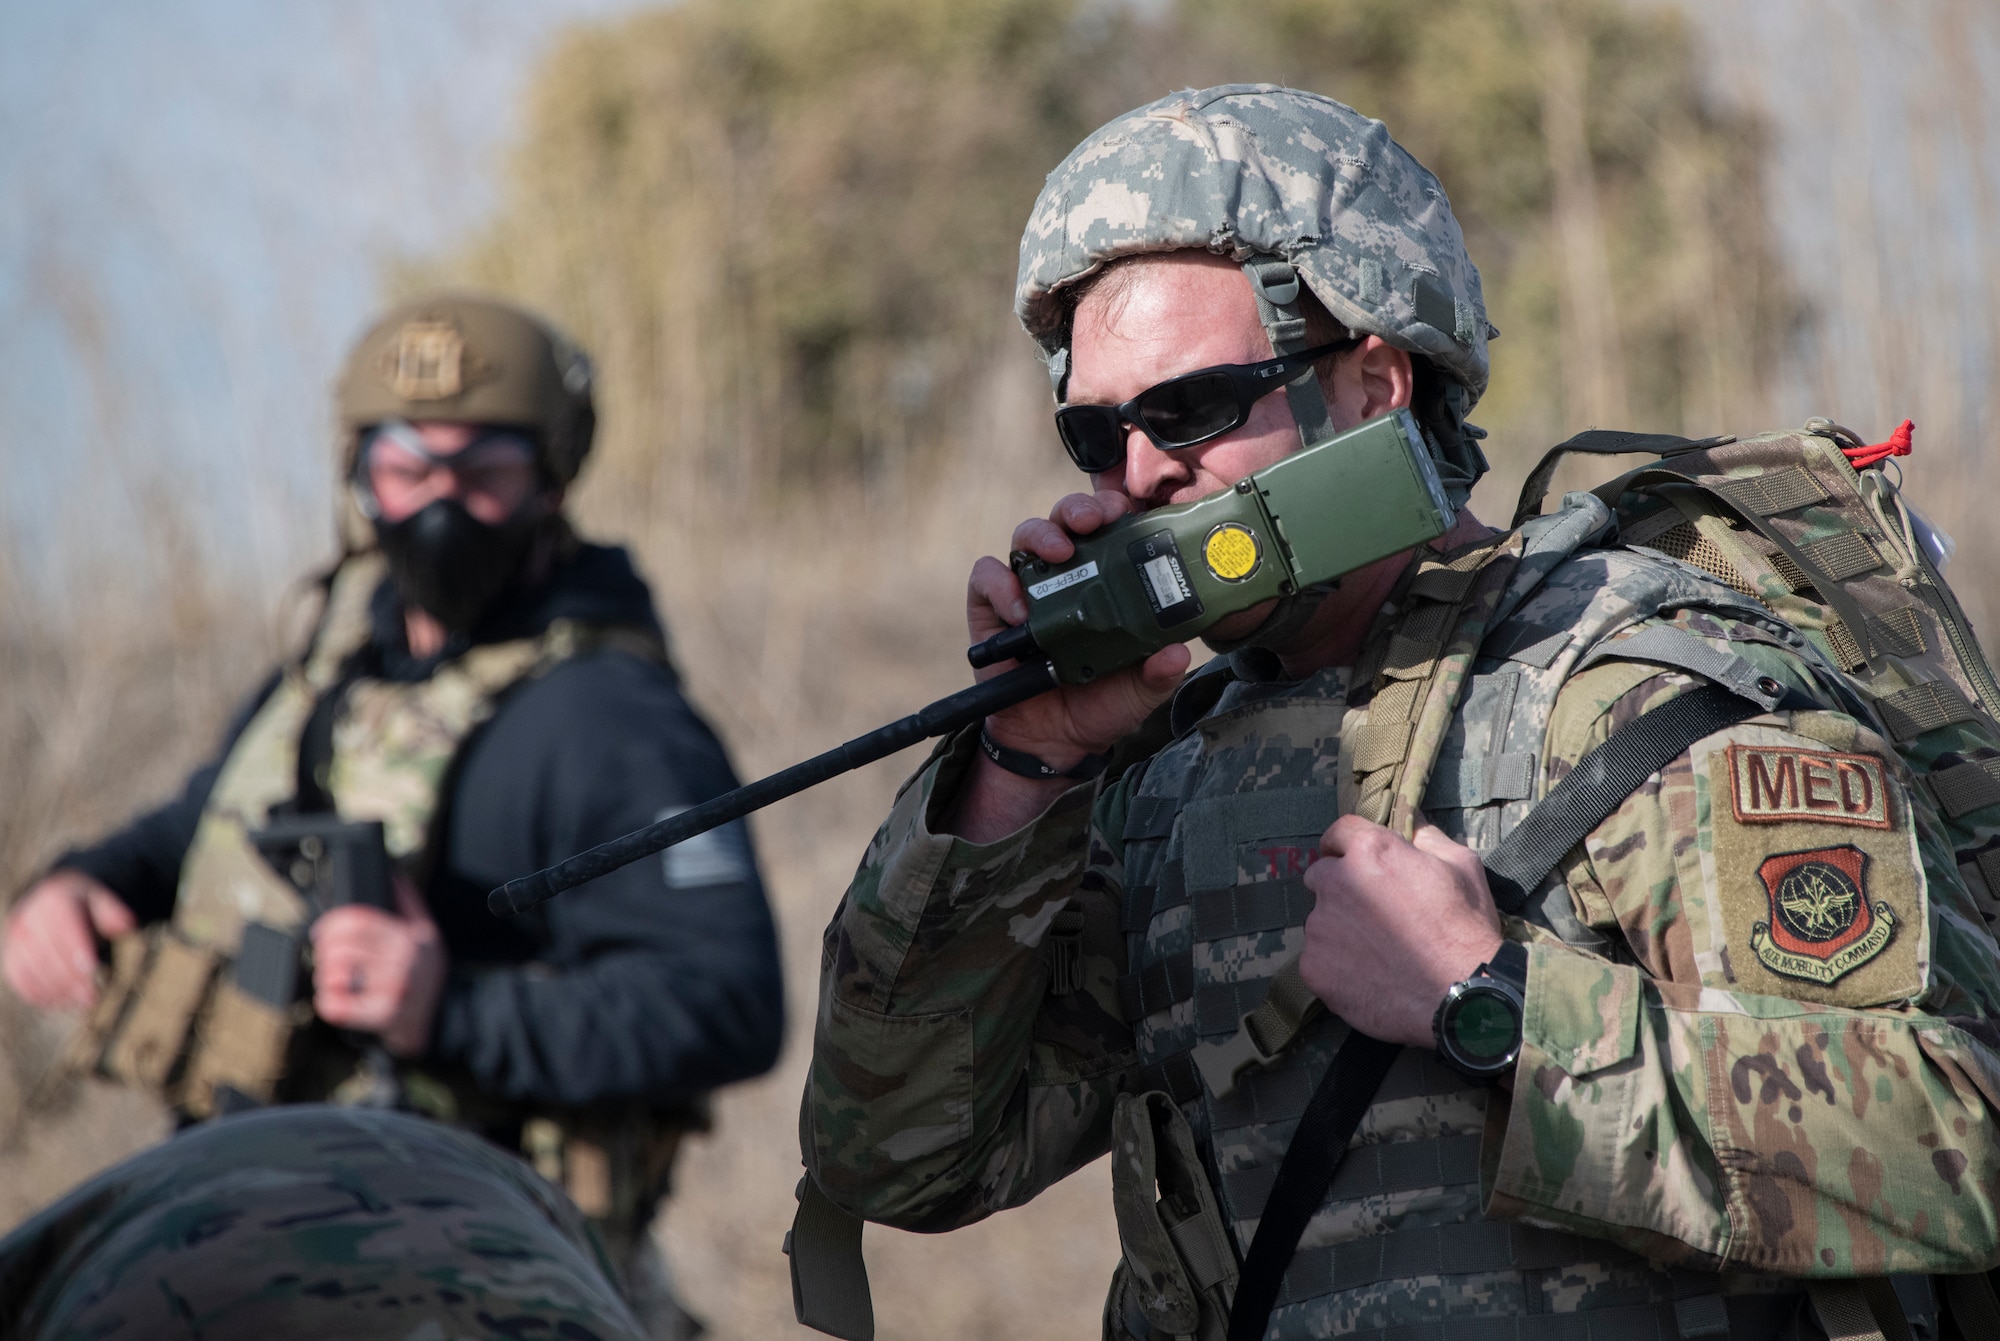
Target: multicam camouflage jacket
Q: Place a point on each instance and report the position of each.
(1758, 1037)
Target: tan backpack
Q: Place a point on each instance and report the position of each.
(1810, 525)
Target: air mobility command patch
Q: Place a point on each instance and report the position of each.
(1812, 884)
(1822, 925)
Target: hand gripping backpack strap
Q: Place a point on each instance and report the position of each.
(1597, 786)
(1419, 673)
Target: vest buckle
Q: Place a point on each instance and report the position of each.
(1221, 1063)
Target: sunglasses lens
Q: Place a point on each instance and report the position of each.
(1092, 435)
(1192, 409)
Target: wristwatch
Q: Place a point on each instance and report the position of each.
(1478, 1024)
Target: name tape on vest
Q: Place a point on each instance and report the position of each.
(1771, 783)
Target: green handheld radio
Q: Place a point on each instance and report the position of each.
(1168, 575)
(1161, 577)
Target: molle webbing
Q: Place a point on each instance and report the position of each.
(1964, 788)
(1418, 677)
(1476, 1247)
(1368, 1171)
(1827, 536)
(1388, 749)
(1931, 706)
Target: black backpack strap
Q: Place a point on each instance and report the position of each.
(1319, 1143)
(1601, 781)
(1611, 771)
(1600, 442)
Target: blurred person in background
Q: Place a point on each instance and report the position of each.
(484, 693)
(1733, 1050)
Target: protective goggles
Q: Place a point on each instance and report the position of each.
(1183, 411)
(394, 455)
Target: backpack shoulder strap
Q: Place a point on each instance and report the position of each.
(1600, 442)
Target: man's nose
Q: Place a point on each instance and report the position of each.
(1150, 473)
(446, 482)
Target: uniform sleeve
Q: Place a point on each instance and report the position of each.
(947, 1081)
(656, 982)
(1789, 1061)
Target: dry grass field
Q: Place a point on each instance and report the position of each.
(808, 437)
(795, 631)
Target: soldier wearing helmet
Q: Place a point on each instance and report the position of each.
(1172, 916)
(483, 693)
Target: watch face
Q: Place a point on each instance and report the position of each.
(1484, 1025)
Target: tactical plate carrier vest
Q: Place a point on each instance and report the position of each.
(1221, 827)
(1447, 715)
(176, 1021)
(1449, 711)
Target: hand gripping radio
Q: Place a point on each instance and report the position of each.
(1145, 582)
(1169, 575)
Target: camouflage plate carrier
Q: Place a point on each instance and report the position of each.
(1450, 714)
(174, 1021)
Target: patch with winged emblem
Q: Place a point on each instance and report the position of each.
(1811, 882)
(1822, 925)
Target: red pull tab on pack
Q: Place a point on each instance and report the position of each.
(1875, 453)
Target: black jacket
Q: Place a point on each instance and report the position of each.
(655, 982)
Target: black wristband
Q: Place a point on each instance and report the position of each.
(1022, 764)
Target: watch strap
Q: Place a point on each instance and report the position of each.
(1509, 964)
(1025, 765)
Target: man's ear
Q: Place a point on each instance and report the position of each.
(1386, 378)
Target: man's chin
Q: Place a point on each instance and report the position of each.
(1240, 625)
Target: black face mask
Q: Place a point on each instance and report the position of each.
(450, 563)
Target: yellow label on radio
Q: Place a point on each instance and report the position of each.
(1231, 552)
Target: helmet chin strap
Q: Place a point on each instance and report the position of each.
(1277, 288)
(1282, 627)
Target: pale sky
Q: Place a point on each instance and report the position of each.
(197, 200)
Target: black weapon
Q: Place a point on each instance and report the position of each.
(940, 718)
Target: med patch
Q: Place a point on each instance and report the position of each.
(1813, 888)
(1772, 783)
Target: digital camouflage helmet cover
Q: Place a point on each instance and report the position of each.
(1252, 171)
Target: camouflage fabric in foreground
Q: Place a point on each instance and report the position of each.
(307, 1223)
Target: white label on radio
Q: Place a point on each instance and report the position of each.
(1041, 591)
(1169, 587)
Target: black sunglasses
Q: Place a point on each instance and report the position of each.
(1183, 411)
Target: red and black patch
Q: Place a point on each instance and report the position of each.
(1822, 925)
